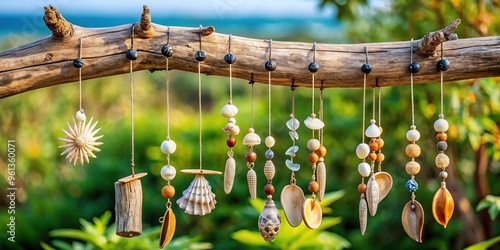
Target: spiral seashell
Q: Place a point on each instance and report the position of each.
(314, 123)
(269, 221)
(293, 124)
(251, 139)
(443, 205)
(229, 110)
(372, 195)
(363, 215)
(167, 227)
(198, 198)
(321, 179)
(252, 183)
(269, 170)
(229, 173)
(292, 166)
(412, 219)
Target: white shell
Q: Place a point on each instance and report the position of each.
(229, 173)
(364, 169)
(413, 135)
(313, 144)
(363, 215)
(441, 125)
(80, 116)
(321, 177)
(269, 141)
(229, 110)
(293, 124)
(168, 147)
(362, 150)
(292, 150)
(294, 135)
(292, 199)
(251, 139)
(313, 123)
(373, 131)
(198, 198)
(292, 166)
(252, 183)
(231, 120)
(168, 172)
(372, 195)
(235, 130)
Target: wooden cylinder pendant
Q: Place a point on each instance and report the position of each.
(128, 206)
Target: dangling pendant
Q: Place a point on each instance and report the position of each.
(251, 139)
(167, 227)
(443, 205)
(363, 214)
(269, 220)
(413, 220)
(198, 198)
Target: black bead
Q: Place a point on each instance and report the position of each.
(313, 67)
(230, 58)
(270, 65)
(200, 55)
(78, 63)
(414, 68)
(366, 68)
(441, 145)
(167, 51)
(443, 64)
(131, 54)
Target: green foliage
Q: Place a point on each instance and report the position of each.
(484, 244)
(492, 203)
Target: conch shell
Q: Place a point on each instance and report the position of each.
(311, 213)
(167, 227)
(229, 173)
(269, 220)
(198, 198)
(292, 199)
(443, 205)
(363, 214)
(412, 219)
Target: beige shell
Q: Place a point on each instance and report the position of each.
(443, 205)
(229, 110)
(363, 214)
(80, 141)
(313, 123)
(372, 195)
(251, 139)
(269, 220)
(229, 173)
(252, 183)
(292, 199)
(384, 181)
(321, 179)
(167, 227)
(198, 198)
(269, 170)
(311, 213)
(412, 219)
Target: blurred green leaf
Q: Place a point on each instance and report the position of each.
(492, 203)
(484, 244)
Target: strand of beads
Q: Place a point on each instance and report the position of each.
(251, 139)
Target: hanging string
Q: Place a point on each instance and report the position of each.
(411, 87)
(379, 121)
(131, 79)
(167, 81)
(269, 89)
(320, 135)
(230, 75)
(441, 81)
(364, 99)
(312, 86)
(199, 105)
(373, 102)
(80, 74)
(251, 83)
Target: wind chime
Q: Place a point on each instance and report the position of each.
(128, 190)
(198, 198)
(80, 139)
(321, 152)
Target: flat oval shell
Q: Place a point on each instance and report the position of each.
(167, 228)
(372, 195)
(269, 221)
(442, 206)
(384, 181)
(293, 124)
(229, 173)
(292, 166)
(251, 139)
(292, 199)
(292, 150)
(314, 123)
(311, 213)
(413, 220)
(229, 110)
(363, 215)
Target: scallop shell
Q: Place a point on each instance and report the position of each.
(363, 215)
(229, 110)
(443, 205)
(321, 178)
(314, 123)
(167, 227)
(252, 183)
(269, 221)
(251, 139)
(292, 199)
(229, 173)
(198, 198)
(269, 170)
(293, 124)
(384, 181)
(412, 219)
(292, 166)
(372, 195)
(311, 213)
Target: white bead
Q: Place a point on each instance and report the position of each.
(362, 150)
(231, 120)
(364, 169)
(441, 125)
(269, 141)
(229, 110)
(313, 144)
(80, 116)
(413, 135)
(168, 147)
(373, 131)
(235, 130)
(168, 172)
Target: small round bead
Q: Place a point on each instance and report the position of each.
(200, 55)
(313, 67)
(313, 187)
(442, 136)
(412, 135)
(167, 51)
(78, 63)
(313, 157)
(230, 58)
(442, 161)
(362, 188)
(411, 185)
(380, 142)
(269, 154)
(270, 65)
(80, 115)
(131, 54)
(380, 157)
(412, 168)
(251, 156)
(362, 150)
(168, 172)
(321, 151)
(373, 145)
(443, 64)
(364, 169)
(441, 145)
(414, 68)
(313, 144)
(168, 191)
(269, 141)
(441, 125)
(413, 150)
(235, 130)
(269, 189)
(168, 147)
(372, 156)
(366, 68)
(443, 175)
(231, 142)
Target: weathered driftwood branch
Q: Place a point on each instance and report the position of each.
(48, 61)
(428, 44)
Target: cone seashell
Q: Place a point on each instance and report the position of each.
(311, 213)
(229, 110)
(198, 198)
(321, 179)
(293, 124)
(363, 215)
(384, 181)
(372, 195)
(251, 139)
(269, 221)
(443, 205)
(412, 219)
(269, 170)
(292, 166)
(292, 199)
(167, 227)
(229, 173)
(252, 183)
(314, 123)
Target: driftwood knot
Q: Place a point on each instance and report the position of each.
(56, 23)
(145, 29)
(429, 43)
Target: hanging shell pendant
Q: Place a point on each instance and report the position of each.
(363, 214)
(384, 181)
(372, 195)
(198, 198)
(292, 199)
(443, 205)
(252, 183)
(229, 173)
(311, 213)
(167, 227)
(321, 179)
(412, 219)
(269, 220)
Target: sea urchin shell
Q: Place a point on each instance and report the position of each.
(80, 140)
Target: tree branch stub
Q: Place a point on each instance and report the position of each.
(430, 42)
(57, 24)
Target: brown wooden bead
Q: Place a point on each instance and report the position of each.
(313, 157)
(412, 150)
(380, 142)
(231, 141)
(362, 188)
(168, 191)
(372, 156)
(269, 189)
(373, 145)
(321, 151)
(442, 136)
(313, 186)
(380, 157)
(251, 156)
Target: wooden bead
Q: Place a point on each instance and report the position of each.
(380, 157)
(313, 186)
(380, 142)
(442, 136)
(251, 156)
(412, 150)
(373, 145)
(321, 151)
(269, 189)
(313, 157)
(412, 168)
(362, 188)
(168, 191)
(231, 142)
(372, 156)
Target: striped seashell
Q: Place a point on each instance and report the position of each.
(372, 195)
(321, 179)
(198, 198)
(229, 110)
(252, 183)
(229, 173)
(269, 170)
(443, 205)
(363, 214)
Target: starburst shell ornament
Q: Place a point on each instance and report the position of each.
(81, 140)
